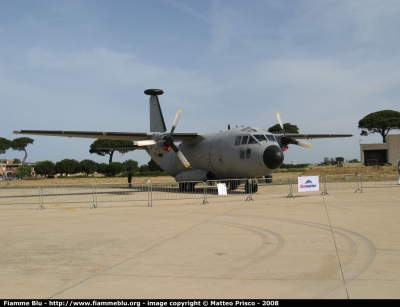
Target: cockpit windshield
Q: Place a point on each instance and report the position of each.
(260, 137)
(254, 139)
(271, 138)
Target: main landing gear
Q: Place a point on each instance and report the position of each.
(251, 187)
(186, 186)
(233, 185)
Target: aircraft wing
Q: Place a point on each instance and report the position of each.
(187, 136)
(127, 136)
(316, 136)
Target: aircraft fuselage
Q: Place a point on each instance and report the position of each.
(243, 152)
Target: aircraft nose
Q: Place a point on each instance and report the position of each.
(273, 157)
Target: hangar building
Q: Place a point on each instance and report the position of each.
(381, 153)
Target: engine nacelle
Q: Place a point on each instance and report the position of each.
(194, 175)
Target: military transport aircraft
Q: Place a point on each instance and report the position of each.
(241, 153)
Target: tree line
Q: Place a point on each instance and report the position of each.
(66, 167)
(98, 147)
(88, 167)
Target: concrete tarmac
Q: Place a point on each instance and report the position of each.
(344, 245)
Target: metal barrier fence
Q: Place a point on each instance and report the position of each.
(20, 195)
(341, 182)
(120, 193)
(47, 195)
(360, 181)
(176, 191)
(68, 194)
(148, 192)
(379, 180)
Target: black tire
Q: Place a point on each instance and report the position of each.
(255, 187)
(186, 186)
(233, 185)
(251, 187)
(190, 186)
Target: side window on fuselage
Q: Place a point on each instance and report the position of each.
(237, 141)
(248, 153)
(244, 139)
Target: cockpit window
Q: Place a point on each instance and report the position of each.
(271, 138)
(252, 140)
(237, 140)
(260, 137)
(249, 129)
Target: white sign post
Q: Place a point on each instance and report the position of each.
(308, 184)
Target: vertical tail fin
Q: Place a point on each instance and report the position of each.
(157, 123)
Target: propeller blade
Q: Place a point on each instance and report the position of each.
(287, 140)
(176, 120)
(303, 144)
(278, 114)
(180, 156)
(183, 159)
(146, 143)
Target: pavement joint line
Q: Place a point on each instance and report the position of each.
(336, 247)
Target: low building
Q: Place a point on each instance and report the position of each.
(8, 168)
(381, 153)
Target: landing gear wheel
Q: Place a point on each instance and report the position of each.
(186, 186)
(255, 187)
(233, 185)
(251, 187)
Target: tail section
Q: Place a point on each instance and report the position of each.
(157, 123)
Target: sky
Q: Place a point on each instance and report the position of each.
(84, 65)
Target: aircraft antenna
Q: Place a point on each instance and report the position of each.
(192, 115)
